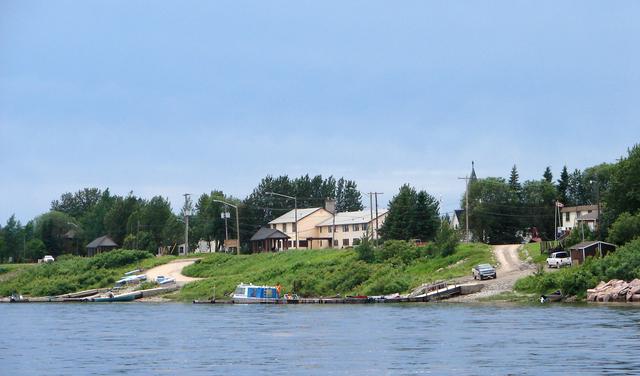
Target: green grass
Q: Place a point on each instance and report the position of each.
(326, 272)
(532, 250)
(74, 273)
(6, 268)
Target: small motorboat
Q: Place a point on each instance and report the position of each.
(162, 280)
(17, 298)
(131, 279)
(128, 297)
(556, 296)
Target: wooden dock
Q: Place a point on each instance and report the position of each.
(435, 295)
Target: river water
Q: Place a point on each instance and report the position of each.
(438, 339)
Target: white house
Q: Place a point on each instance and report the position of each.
(308, 218)
(572, 216)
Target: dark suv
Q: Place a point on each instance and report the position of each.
(482, 271)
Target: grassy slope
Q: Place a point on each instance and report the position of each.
(326, 272)
(69, 274)
(533, 250)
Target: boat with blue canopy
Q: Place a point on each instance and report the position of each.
(249, 293)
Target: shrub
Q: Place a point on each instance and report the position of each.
(624, 229)
(118, 258)
(365, 250)
(397, 251)
(447, 240)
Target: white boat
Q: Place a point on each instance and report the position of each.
(131, 279)
(162, 280)
(249, 293)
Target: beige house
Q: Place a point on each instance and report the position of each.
(306, 225)
(573, 216)
(349, 227)
(316, 227)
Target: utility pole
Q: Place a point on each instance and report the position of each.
(237, 223)
(466, 208)
(187, 211)
(376, 203)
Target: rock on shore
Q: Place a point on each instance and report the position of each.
(615, 291)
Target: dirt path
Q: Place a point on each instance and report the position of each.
(510, 269)
(173, 269)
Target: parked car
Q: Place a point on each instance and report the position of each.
(559, 259)
(48, 258)
(482, 271)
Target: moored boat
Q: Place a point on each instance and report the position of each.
(249, 293)
(117, 298)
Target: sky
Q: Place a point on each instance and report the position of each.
(165, 98)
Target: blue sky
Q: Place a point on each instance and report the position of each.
(162, 98)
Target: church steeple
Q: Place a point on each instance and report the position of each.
(473, 172)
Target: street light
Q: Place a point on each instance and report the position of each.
(237, 223)
(295, 210)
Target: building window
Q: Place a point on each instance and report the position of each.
(321, 229)
(345, 242)
(364, 226)
(284, 227)
(294, 227)
(345, 228)
(304, 244)
(329, 229)
(356, 241)
(356, 227)
(335, 242)
(567, 217)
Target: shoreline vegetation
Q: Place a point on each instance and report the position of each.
(399, 268)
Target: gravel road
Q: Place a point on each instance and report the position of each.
(173, 269)
(510, 269)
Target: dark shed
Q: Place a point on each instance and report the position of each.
(269, 239)
(101, 244)
(594, 248)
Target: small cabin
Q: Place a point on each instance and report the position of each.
(594, 248)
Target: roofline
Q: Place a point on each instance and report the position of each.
(299, 218)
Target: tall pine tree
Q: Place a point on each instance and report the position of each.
(563, 185)
(548, 176)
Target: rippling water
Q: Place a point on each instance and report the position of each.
(455, 339)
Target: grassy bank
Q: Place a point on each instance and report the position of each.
(623, 264)
(532, 251)
(74, 273)
(327, 272)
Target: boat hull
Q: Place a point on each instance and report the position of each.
(118, 298)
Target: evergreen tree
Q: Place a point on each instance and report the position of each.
(12, 236)
(412, 215)
(563, 185)
(576, 192)
(351, 198)
(427, 218)
(548, 176)
(514, 184)
(399, 222)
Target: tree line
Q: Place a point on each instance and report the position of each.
(76, 218)
(504, 210)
